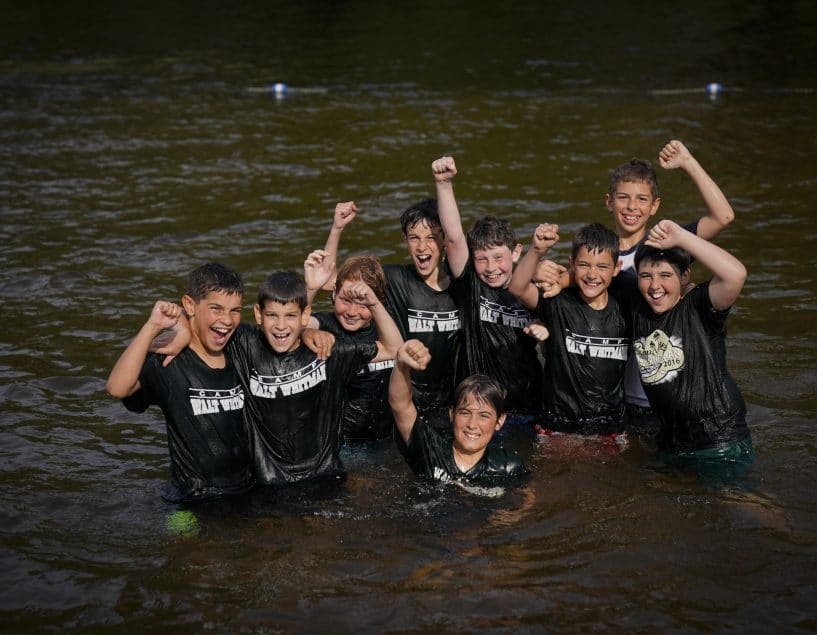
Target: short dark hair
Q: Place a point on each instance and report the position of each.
(282, 287)
(213, 276)
(424, 211)
(483, 388)
(365, 268)
(634, 171)
(676, 257)
(491, 231)
(596, 238)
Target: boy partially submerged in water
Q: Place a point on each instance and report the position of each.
(476, 413)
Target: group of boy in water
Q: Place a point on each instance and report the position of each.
(441, 351)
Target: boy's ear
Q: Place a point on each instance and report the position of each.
(500, 422)
(305, 315)
(608, 202)
(517, 251)
(258, 313)
(189, 305)
(617, 268)
(685, 278)
(655, 205)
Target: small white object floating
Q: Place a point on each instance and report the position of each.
(280, 90)
(713, 89)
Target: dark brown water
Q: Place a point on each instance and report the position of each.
(132, 150)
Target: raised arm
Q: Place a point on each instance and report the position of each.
(413, 355)
(389, 339)
(124, 378)
(344, 214)
(456, 246)
(720, 213)
(728, 273)
(521, 285)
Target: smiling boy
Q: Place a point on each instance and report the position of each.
(495, 326)
(679, 344)
(476, 413)
(587, 347)
(200, 392)
(295, 399)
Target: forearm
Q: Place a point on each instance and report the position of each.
(521, 286)
(719, 210)
(123, 380)
(388, 335)
(456, 245)
(728, 273)
(405, 413)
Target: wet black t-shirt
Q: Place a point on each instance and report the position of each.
(432, 317)
(366, 412)
(493, 341)
(584, 374)
(682, 361)
(430, 453)
(294, 404)
(206, 435)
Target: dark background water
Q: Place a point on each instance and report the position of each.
(133, 149)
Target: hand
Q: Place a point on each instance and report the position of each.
(674, 155)
(165, 315)
(344, 214)
(361, 293)
(537, 330)
(545, 236)
(444, 169)
(319, 268)
(665, 235)
(414, 354)
(548, 273)
(319, 342)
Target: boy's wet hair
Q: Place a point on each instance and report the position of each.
(491, 231)
(482, 388)
(595, 237)
(679, 259)
(366, 268)
(634, 171)
(424, 211)
(214, 276)
(282, 287)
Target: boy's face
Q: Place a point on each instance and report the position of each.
(282, 324)
(594, 271)
(425, 246)
(474, 423)
(494, 265)
(352, 315)
(632, 204)
(660, 284)
(213, 319)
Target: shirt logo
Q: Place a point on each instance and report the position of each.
(515, 317)
(604, 347)
(431, 321)
(205, 401)
(274, 386)
(659, 356)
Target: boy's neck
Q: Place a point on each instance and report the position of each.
(213, 360)
(466, 461)
(599, 302)
(628, 241)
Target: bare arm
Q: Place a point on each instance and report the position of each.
(124, 378)
(344, 214)
(456, 246)
(521, 285)
(413, 355)
(720, 213)
(728, 273)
